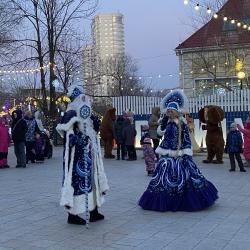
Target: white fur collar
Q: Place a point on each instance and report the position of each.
(177, 120)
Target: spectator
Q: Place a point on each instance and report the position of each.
(153, 125)
(120, 142)
(39, 147)
(19, 129)
(4, 143)
(234, 147)
(129, 134)
(246, 136)
(148, 151)
(30, 137)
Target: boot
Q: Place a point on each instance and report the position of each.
(76, 220)
(242, 170)
(95, 216)
(150, 173)
(207, 161)
(217, 161)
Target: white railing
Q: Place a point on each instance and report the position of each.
(237, 100)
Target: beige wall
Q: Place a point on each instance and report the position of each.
(214, 62)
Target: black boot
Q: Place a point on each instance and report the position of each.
(95, 216)
(75, 219)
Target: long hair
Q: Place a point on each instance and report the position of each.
(179, 133)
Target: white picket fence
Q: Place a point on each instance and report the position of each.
(237, 100)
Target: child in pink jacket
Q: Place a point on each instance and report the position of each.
(246, 135)
(4, 143)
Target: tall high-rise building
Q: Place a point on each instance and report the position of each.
(108, 42)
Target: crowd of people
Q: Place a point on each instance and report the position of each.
(168, 145)
(31, 141)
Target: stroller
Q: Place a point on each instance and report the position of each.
(48, 150)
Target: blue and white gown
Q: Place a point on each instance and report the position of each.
(177, 184)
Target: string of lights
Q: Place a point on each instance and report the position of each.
(214, 14)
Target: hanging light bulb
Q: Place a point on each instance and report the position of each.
(225, 18)
(215, 16)
(209, 11)
(197, 7)
(238, 24)
(244, 26)
(233, 21)
(186, 2)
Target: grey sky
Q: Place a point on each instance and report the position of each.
(153, 28)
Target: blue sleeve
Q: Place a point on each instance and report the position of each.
(68, 116)
(96, 122)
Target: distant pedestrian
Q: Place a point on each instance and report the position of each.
(234, 147)
(120, 141)
(19, 129)
(129, 134)
(30, 137)
(148, 151)
(246, 136)
(4, 143)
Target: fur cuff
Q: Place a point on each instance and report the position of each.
(160, 132)
(174, 153)
(61, 128)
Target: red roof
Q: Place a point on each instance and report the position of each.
(212, 33)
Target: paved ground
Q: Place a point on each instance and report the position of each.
(30, 217)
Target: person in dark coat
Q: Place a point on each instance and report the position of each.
(30, 137)
(234, 148)
(129, 134)
(19, 129)
(118, 128)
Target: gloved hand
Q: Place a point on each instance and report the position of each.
(164, 122)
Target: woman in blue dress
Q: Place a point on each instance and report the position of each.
(177, 184)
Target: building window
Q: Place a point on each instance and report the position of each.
(228, 26)
(207, 86)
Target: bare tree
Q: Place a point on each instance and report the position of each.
(50, 21)
(120, 74)
(202, 17)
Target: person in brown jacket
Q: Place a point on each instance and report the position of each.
(153, 125)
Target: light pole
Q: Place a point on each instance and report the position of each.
(241, 75)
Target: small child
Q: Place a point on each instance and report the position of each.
(234, 147)
(40, 146)
(148, 151)
(4, 143)
(48, 150)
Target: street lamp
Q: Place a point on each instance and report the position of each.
(241, 75)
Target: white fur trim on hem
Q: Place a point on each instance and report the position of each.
(174, 153)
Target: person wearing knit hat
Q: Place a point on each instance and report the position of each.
(234, 147)
(177, 183)
(148, 151)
